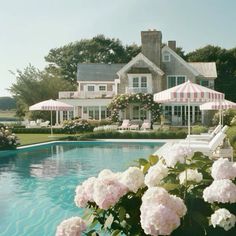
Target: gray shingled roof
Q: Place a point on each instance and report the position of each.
(207, 69)
(98, 72)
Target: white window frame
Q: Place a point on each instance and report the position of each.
(176, 79)
(139, 76)
(103, 85)
(90, 85)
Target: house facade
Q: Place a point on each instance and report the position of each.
(153, 70)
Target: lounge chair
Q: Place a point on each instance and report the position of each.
(125, 125)
(207, 148)
(146, 125)
(205, 136)
(134, 127)
(45, 123)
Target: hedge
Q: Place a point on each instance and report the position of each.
(37, 131)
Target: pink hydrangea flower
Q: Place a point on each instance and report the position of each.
(73, 226)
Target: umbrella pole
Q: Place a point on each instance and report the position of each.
(188, 116)
(51, 124)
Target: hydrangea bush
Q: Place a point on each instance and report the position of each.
(77, 126)
(182, 193)
(8, 140)
(145, 100)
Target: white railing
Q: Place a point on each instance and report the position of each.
(85, 94)
(137, 90)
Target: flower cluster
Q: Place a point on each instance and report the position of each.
(160, 211)
(190, 175)
(223, 218)
(108, 187)
(73, 226)
(145, 100)
(76, 126)
(8, 140)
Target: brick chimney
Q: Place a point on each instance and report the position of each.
(151, 45)
(172, 44)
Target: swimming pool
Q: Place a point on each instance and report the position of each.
(37, 185)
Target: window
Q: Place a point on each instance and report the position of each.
(71, 114)
(166, 57)
(143, 82)
(135, 82)
(139, 114)
(175, 80)
(64, 115)
(103, 112)
(204, 83)
(102, 88)
(90, 88)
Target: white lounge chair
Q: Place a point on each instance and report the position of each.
(205, 136)
(207, 148)
(146, 125)
(125, 125)
(45, 123)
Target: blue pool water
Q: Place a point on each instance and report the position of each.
(37, 185)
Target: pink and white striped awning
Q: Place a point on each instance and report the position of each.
(188, 91)
(50, 105)
(224, 105)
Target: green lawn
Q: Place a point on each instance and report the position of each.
(7, 113)
(26, 139)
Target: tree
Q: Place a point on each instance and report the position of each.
(64, 60)
(225, 64)
(7, 103)
(33, 85)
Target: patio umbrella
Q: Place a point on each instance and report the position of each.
(188, 92)
(50, 105)
(216, 105)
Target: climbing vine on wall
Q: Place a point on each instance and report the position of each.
(144, 100)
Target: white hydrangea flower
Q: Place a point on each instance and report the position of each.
(73, 226)
(223, 191)
(155, 174)
(192, 175)
(223, 218)
(223, 169)
(177, 154)
(132, 178)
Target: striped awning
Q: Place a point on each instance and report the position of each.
(188, 91)
(224, 105)
(50, 105)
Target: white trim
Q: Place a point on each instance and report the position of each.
(139, 76)
(181, 60)
(140, 57)
(96, 82)
(105, 85)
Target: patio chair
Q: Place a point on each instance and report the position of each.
(45, 123)
(125, 125)
(146, 125)
(206, 136)
(207, 148)
(134, 126)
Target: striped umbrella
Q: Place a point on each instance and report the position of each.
(50, 105)
(188, 92)
(224, 105)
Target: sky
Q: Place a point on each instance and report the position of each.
(30, 28)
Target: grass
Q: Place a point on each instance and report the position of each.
(26, 139)
(7, 113)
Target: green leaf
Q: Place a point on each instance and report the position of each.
(108, 221)
(142, 161)
(153, 159)
(116, 232)
(122, 213)
(146, 167)
(170, 186)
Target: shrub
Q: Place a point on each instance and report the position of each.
(228, 116)
(77, 126)
(8, 140)
(37, 130)
(197, 129)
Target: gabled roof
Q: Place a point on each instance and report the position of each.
(140, 57)
(181, 60)
(207, 69)
(98, 72)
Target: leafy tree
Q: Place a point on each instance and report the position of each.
(225, 64)
(33, 86)
(7, 103)
(64, 60)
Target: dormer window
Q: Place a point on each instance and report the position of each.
(166, 57)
